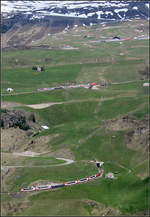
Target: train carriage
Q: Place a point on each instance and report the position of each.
(28, 189)
(82, 180)
(70, 183)
(44, 187)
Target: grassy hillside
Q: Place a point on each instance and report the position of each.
(81, 127)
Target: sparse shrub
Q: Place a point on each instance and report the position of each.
(42, 68)
(32, 117)
(2, 123)
(145, 72)
(4, 110)
(34, 68)
(23, 126)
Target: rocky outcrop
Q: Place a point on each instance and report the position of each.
(14, 119)
(137, 131)
(110, 175)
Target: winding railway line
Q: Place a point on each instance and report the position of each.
(51, 187)
(69, 183)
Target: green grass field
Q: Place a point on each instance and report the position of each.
(103, 60)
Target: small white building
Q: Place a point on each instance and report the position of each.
(39, 69)
(146, 85)
(9, 89)
(44, 127)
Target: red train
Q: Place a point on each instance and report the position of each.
(50, 187)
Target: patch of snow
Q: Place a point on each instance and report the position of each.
(135, 8)
(109, 12)
(39, 9)
(147, 5)
(99, 13)
(120, 10)
(91, 14)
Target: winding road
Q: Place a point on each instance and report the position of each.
(48, 187)
(68, 161)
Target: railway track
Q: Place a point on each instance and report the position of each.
(51, 187)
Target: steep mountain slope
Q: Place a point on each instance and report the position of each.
(82, 9)
(31, 11)
(26, 22)
(108, 124)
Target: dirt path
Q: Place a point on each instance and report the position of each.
(9, 105)
(68, 161)
(20, 93)
(43, 105)
(33, 154)
(26, 154)
(120, 165)
(48, 104)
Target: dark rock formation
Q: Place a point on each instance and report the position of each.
(14, 119)
(32, 117)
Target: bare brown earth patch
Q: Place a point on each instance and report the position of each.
(120, 123)
(99, 209)
(5, 179)
(10, 105)
(17, 140)
(62, 153)
(142, 174)
(13, 139)
(137, 136)
(138, 141)
(15, 158)
(40, 144)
